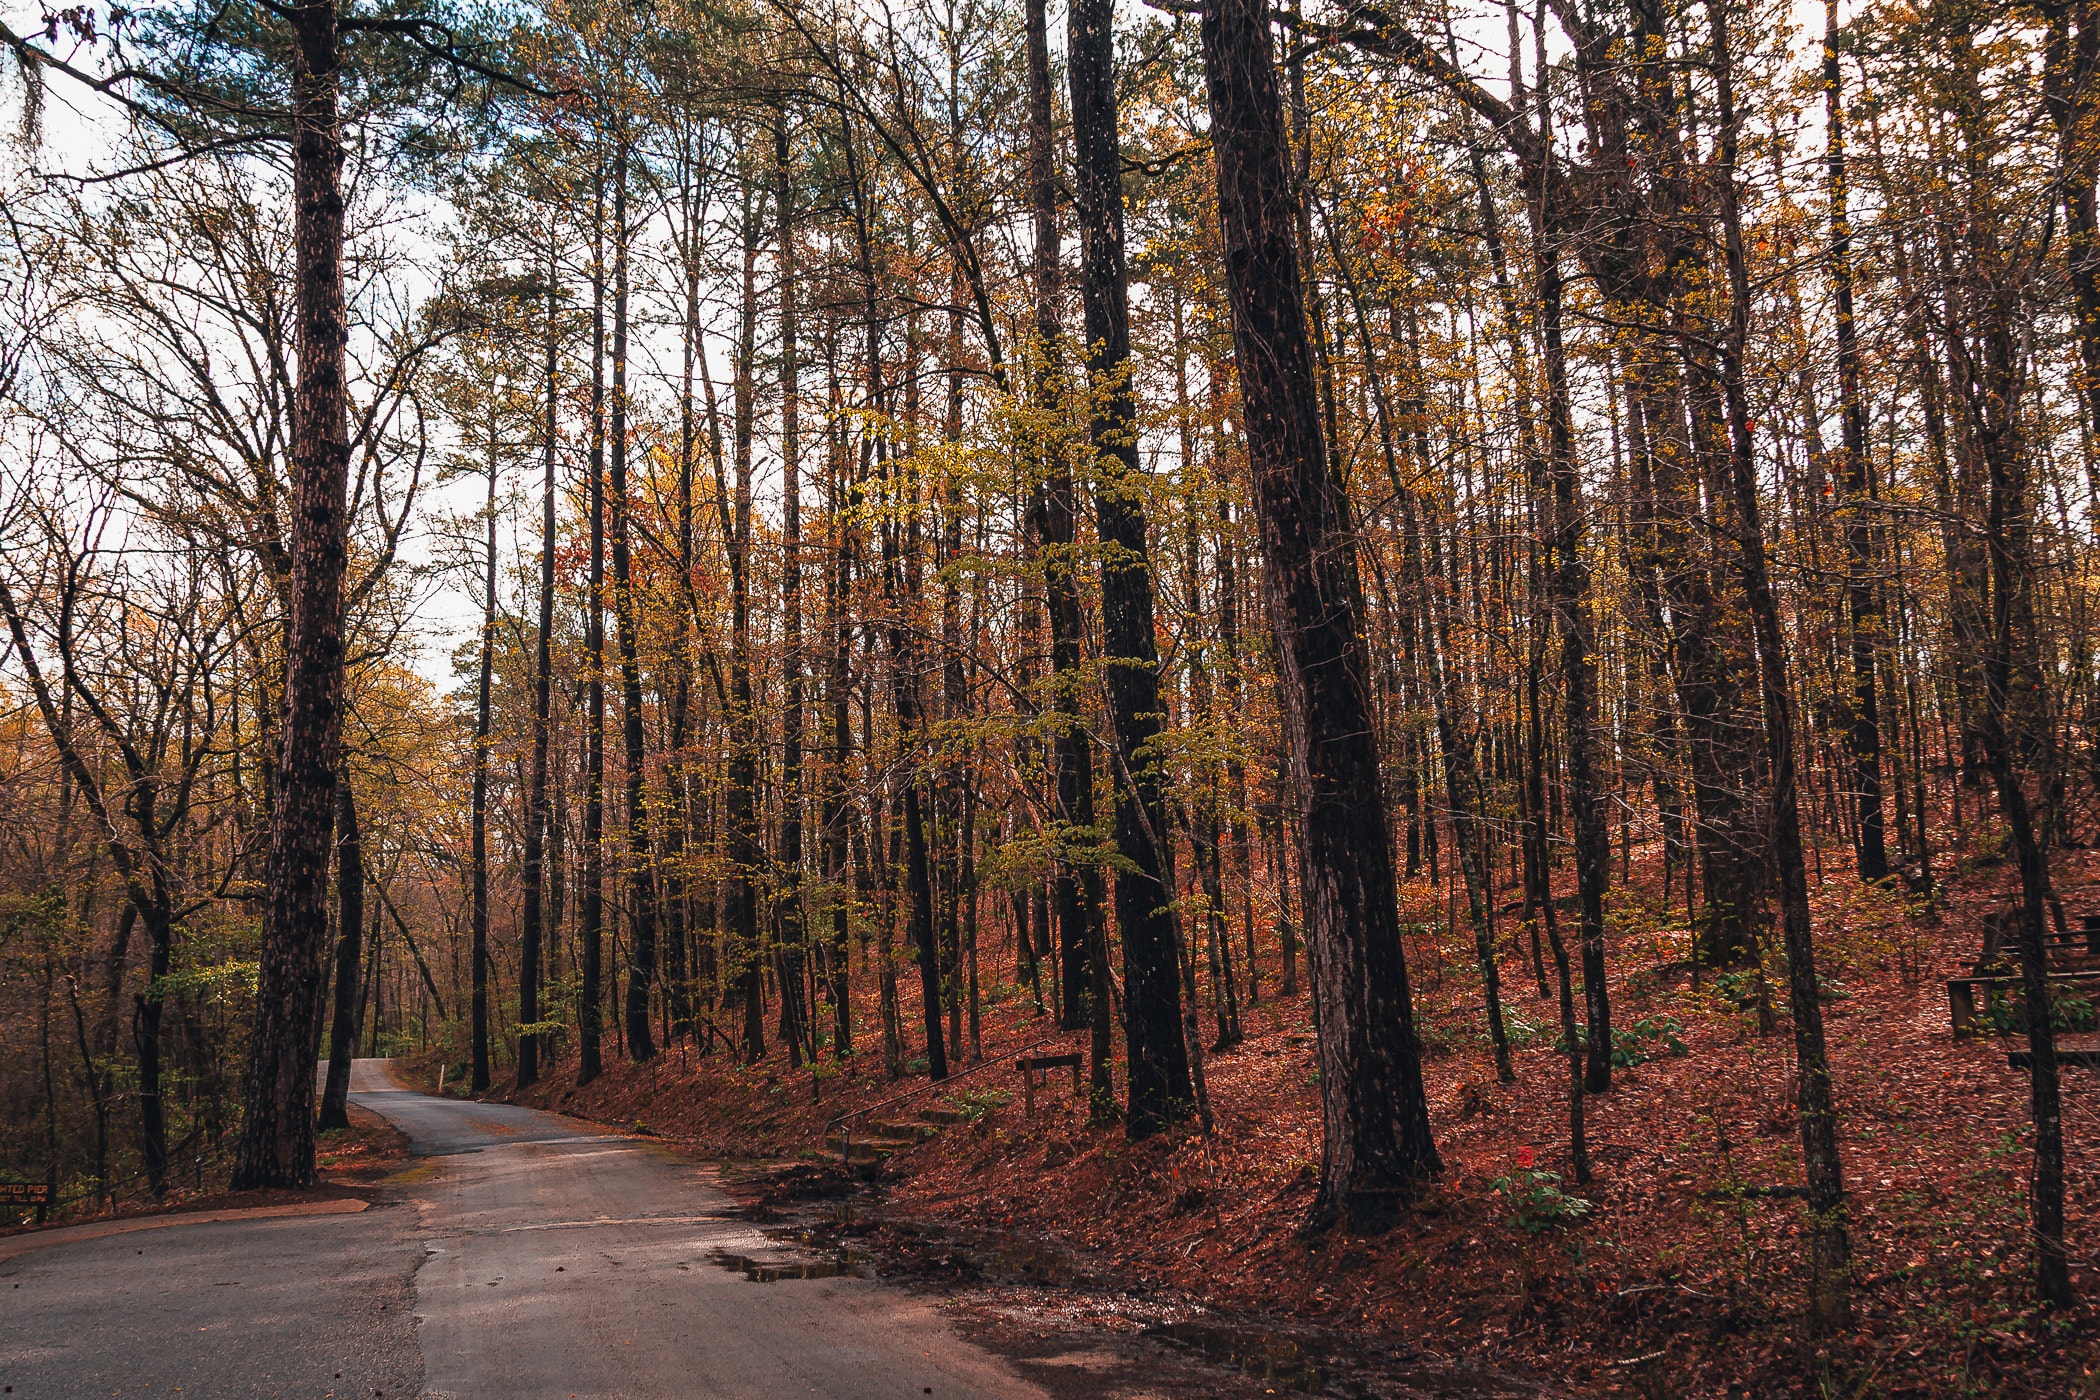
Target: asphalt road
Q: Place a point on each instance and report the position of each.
(524, 1256)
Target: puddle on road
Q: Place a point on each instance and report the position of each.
(804, 1253)
(1282, 1360)
(774, 1270)
(1323, 1365)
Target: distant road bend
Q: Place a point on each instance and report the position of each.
(530, 1258)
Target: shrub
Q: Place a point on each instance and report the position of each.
(1536, 1202)
(975, 1103)
(2068, 1011)
(1646, 1039)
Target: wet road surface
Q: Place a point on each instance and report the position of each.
(522, 1255)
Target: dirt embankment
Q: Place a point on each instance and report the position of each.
(1676, 1270)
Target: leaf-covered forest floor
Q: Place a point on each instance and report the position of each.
(1681, 1278)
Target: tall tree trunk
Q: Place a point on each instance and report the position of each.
(1862, 598)
(1235, 765)
(1462, 786)
(277, 1126)
(1071, 750)
(369, 1010)
(745, 850)
(478, 838)
(1202, 809)
(792, 918)
(2007, 540)
(878, 860)
(1990, 374)
(591, 902)
(950, 777)
(1539, 896)
(532, 911)
(1082, 938)
(685, 954)
(350, 927)
(918, 876)
(1708, 673)
(641, 883)
(835, 816)
(1378, 1148)
(1570, 579)
(1830, 1240)
(1158, 1070)
(2072, 59)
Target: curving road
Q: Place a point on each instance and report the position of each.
(522, 1257)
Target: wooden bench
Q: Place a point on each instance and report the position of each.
(1032, 1065)
(2001, 934)
(1961, 994)
(2076, 1059)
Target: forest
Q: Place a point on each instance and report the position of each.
(1422, 585)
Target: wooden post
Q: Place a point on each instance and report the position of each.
(1961, 1006)
(1994, 922)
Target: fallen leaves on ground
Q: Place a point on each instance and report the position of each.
(1685, 1275)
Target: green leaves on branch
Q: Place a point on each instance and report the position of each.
(1536, 1202)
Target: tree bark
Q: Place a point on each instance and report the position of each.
(277, 1127)
(531, 914)
(641, 883)
(350, 926)
(1829, 1286)
(1071, 749)
(1158, 1091)
(1463, 792)
(1862, 598)
(838, 675)
(1570, 579)
(792, 914)
(1990, 375)
(688, 955)
(2072, 58)
(591, 901)
(746, 852)
(918, 877)
(478, 858)
(1378, 1148)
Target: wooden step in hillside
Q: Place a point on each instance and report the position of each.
(874, 1151)
(875, 1141)
(871, 1142)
